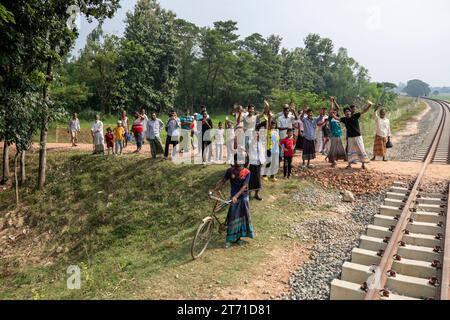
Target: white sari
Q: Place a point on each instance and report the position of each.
(97, 131)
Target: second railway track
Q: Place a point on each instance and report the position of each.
(405, 254)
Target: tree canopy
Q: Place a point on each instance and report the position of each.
(417, 88)
(163, 62)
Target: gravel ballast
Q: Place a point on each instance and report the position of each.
(332, 236)
(408, 146)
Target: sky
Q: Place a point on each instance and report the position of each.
(397, 40)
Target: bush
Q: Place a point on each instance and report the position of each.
(300, 99)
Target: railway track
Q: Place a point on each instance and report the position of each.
(405, 254)
(442, 153)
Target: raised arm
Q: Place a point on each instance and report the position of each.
(302, 116)
(336, 105)
(367, 108)
(293, 111)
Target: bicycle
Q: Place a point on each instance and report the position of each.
(206, 229)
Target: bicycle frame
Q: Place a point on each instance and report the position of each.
(218, 206)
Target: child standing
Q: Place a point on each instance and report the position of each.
(119, 137)
(109, 137)
(219, 137)
(288, 146)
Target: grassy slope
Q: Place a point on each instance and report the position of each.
(128, 222)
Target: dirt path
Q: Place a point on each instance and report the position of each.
(412, 127)
(272, 279)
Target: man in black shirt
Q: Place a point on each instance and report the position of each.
(207, 127)
(355, 148)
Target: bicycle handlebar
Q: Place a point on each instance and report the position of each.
(212, 197)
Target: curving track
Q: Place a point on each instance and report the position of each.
(405, 254)
(442, 153)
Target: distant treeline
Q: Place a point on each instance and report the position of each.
(441, 90)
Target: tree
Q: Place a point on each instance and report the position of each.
(300, 99)
(149, 56)
(319, 51)
(22, 120)
(296, 70)
(188, 82)
(218, 62)
(261, 57)
(417, 88)
(42, 34)
(92, 80)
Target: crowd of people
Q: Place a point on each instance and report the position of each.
(255, 144)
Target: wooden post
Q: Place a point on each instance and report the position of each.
(44, 130)
(16, 180)
(22, 168)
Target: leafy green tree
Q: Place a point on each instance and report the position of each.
(417, 88)
(297, 70)
(188, 82)
(319, 51)
(260, 59)
(149, 56)
(300, 99)
(343, 77)
(41, 34)
(93, 81)
(218, 63)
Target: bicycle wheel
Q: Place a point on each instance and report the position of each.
(202, 238)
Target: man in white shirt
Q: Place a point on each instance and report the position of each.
(382, 135)
(173, 133)
(285, 121)
(250, 123)
(154, 127)
(74, 129)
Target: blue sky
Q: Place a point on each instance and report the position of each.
(397, 40)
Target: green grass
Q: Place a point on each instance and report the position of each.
(128, 223)
(442, 97)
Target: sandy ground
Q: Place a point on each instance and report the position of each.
(272, 279)
(410, 169)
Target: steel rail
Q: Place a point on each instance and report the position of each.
(446, 110)
(445, 280)
(378, 282)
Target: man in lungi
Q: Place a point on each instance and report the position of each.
(382, 135)
(309, 127)
(356, 151)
